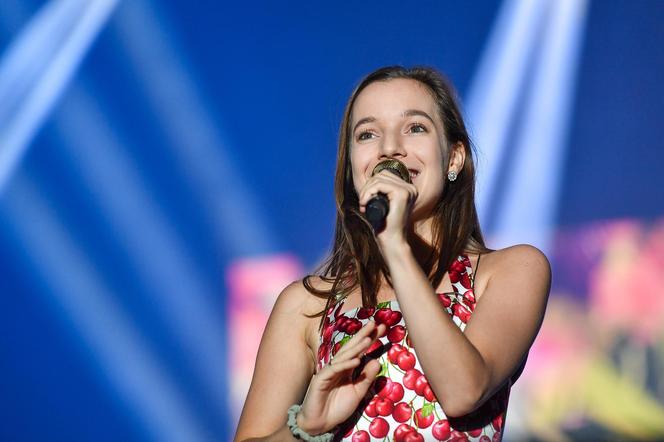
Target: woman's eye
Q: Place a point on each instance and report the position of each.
(418, 128)
(365, 136)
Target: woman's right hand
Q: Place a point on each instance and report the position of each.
(334, 393)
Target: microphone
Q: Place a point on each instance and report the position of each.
(378, 206)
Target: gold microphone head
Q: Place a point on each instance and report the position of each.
(394, 166)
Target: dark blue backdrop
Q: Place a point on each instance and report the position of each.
(192, 134)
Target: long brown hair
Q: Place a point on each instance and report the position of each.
(355, 258)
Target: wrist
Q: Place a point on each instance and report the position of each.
(395, 250)
(306, 425)
(304, 432)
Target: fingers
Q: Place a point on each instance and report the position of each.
(361, 341)
(367, 375)
(387, 183)
(353, 351)
(340, 366)
(370, 330)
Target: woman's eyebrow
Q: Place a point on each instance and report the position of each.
(364, 120)
(412, 112)
(406, 113)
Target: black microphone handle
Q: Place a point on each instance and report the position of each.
(376, 211)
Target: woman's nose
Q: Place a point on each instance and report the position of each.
(391, 146)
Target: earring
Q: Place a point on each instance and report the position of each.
(451, 175)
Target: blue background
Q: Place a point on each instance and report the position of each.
(271, 79)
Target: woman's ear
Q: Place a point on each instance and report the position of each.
(457, 157)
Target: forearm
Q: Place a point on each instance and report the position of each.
(283, 434)
(442, 349)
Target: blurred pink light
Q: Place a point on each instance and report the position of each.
(253, 286)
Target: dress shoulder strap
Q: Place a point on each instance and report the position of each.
(477, 266)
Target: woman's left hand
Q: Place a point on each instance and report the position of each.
(401, 195)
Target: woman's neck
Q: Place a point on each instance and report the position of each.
(420, 240)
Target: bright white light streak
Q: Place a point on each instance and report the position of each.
(189, 122)
(528, 212)
(153, 248)
(85, 303)
(38, 67)
(494, 90)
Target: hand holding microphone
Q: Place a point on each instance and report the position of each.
(378, 206)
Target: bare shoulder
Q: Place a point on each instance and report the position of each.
(518, 263)
(296, 299)
(525, 254)
(302, 306)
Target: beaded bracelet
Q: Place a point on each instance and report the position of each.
(299, 433)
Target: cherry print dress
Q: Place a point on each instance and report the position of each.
(400, 406)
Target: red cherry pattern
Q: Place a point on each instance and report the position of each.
(461, 312)
(401, 404)
(422, 419)
(379, 427)
(365, 312)
(402, 431)
(441, 430)
(384, 406)
(347, 325)
(420, 384)
(349, 432)
(475, 433)
(396, 334)
(361, 436)
(414, 437)
(402, 412)
(411, 378)
(377, 345)
(370, 409)
(458, 436)
(396, 393)
(406, 360)
(445, 299)
(469, 297)
(498, 422)
(428, 394)
(394, 352)
(382, 386)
